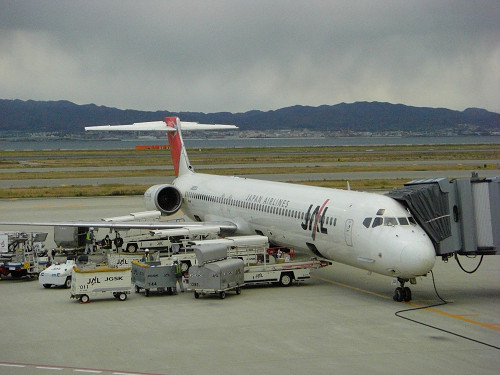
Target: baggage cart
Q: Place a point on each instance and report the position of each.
(217, 277)
(100, 281)
(153, 275)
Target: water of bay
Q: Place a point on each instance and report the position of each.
(244, 142)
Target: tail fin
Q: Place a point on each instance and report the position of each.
(173, 129)
(177, 148)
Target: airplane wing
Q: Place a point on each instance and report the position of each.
(225, 226)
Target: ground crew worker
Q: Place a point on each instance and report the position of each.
(178, 275)
(106, 242)
(146, 257)
(89, 241)
(118, 241)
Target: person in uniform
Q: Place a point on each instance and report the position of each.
(178, 274)
(89, 241)
(118, 241)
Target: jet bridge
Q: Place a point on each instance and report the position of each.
(460, 216)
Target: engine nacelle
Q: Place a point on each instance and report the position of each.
(165, 198)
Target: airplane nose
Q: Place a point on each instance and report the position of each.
(417, 259)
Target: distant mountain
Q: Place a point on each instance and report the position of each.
(67, 117)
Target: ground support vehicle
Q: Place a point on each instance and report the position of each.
(58, 274)
(152, 275)
(20, 254)
(100, 281)
(217, 278)
(283, 273)
(167, 239)
(215, 273)
(261, 263)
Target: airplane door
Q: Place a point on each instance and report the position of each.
(348, 232)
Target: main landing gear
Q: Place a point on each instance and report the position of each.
(402, 292)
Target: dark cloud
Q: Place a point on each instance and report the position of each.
(236, 56)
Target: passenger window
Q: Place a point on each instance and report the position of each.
(412, 220)
(377, 221)
(367, 222)
(390, 221)
(403, 221)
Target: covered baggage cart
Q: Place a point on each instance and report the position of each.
(217, 277)
(100, 281)
(153, 275)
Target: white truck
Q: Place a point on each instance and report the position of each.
(167, 238)
(58, 274)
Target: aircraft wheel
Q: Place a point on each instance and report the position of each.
(47, 286)
(406, 294)
(398, 294)
(67, 283)
(84, 298)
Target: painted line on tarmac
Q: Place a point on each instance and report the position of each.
(458, 317)
(493, 326)
(74, 369)
(350, 287)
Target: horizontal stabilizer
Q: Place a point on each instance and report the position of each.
(159, 126)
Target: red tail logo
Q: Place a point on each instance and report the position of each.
(175, 142)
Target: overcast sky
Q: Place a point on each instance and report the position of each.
(235, 56)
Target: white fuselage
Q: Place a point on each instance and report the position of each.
(364, 230)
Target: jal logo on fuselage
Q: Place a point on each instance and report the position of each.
(314, 219)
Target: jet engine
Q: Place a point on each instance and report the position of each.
(164, 198)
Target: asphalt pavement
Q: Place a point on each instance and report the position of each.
(342, 320)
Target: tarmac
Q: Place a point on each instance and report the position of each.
(342, 320)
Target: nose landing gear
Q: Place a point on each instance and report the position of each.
(402, 292)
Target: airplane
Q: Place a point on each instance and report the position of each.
(365, 230)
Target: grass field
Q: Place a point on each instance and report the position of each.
(410, 156)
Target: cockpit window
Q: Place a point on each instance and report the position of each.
(377, 221)
(390, 221)
(403, 221)
(381, 211)
(412, 220)
(367, 222)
